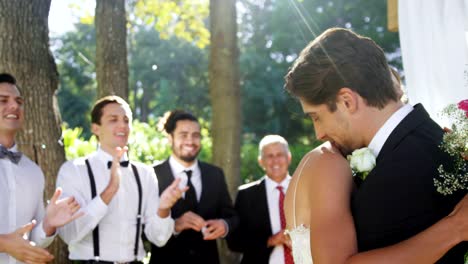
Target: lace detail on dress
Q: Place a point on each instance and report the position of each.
(300, 234)
(300, 243)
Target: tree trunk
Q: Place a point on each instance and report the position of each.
(111, 48)
(225, 97)
(24, 52)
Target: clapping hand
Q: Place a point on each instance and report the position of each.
(169, 197)
(16, 245)
(115, 172)
(60, 212)
(115, 168)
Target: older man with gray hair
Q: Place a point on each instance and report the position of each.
(260, 236)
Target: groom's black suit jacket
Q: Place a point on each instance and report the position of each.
(398, 198)
(215, 203)
(254, 229)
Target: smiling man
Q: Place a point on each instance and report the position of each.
(260, 235)
(120, 197)
(21, 190)
(206, 212)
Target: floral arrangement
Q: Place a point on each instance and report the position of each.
(455, 143)
(362, 161)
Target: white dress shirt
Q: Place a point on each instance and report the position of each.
(21, 200)
(384, 132)
(178, 172)
(117, 220)
(277, 255)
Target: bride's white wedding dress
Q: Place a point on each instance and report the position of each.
(300, 242)
(300, 234)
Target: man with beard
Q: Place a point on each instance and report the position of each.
(206, 212)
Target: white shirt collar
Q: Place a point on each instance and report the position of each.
(105, 157)
(14, 148)
(271, 184)
(384, 132)
(177, 167)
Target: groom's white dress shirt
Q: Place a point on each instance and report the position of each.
(21, 200)
(272, 193)
(384, 132)
(117, 220)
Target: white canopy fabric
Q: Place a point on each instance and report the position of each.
(434, 46)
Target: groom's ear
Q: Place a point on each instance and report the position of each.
(348, 99)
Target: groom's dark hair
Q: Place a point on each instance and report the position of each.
(341, 58)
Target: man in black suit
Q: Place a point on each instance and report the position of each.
(345, 85)
(206, 212)
(260, 235)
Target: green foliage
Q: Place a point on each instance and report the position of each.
(271, 35)
(75, 52)
(184, 19)
(161, 77)
(74, 143)
(166, 74)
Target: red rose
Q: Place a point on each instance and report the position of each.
(463, 105)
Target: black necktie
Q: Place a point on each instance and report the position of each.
(13, 156)
(190, 194)
(122, 164)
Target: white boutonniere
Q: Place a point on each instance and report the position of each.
(362, 161)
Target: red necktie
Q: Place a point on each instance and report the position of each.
(288, 259)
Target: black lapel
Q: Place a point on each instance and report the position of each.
(164, 174)
(165, 177)
(263, 205)
(205, 184)
(408, 124)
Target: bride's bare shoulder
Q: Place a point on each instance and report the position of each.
(322, 161)
(324, 153)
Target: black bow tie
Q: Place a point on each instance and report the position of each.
(122, 164)
(13, 156)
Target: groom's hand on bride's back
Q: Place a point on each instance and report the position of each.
(279, 238)
(460, 216)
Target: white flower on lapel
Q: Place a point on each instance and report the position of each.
(362, 161)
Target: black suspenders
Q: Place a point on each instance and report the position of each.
(140, 192)
(96, 229)
(93, 194)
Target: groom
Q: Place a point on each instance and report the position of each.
(345, 85)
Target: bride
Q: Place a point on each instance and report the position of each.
(322, 185)
(318, 200)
